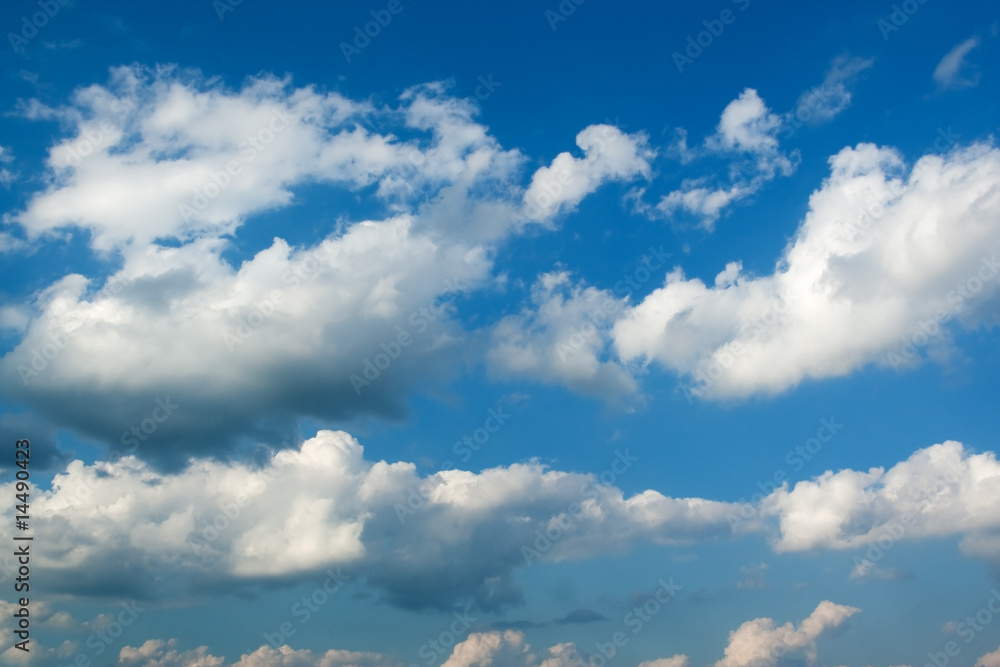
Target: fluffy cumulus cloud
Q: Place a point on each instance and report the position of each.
(747, 133)
(161, 167)
(480, 649)
(609, 154)
(746, 124)
(509, 648)
(761, 642)
(991, 659)
(927, 237)
(488, 648)
(159, 653)
(421, 541)
(941, 490)
(924, 238)
(562, 337)
(244, 350)
(757, 642)
(155, 154)
(748, 136)
(322, 512)
(352, 324)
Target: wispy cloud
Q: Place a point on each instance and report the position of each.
(949, 73)
(825, 101)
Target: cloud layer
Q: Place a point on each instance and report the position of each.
(454, 535)
(421, 541)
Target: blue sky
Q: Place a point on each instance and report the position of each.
(545, 334)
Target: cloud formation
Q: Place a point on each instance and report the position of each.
(159, 653)
(991, 659)
(609, 154)
(760, 642)
(562, 337)
(824, 102)
(924, 238)
(420, 541)
(940, 490)
(323, 507)
(748, 134)
(479, 649)
(888, 263)
(948, 73)
(161, 167)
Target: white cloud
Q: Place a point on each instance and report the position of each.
(760, 642)
(11, 243)
(609, 154)
(676, 661)
(266, 656)
(702, 201)
(324, 506)
(880, 255)
(509, 649)
(150, 154)
(747, 125)
(948, 73)
(383, 523)
(562, 337)
(487, 648)
(217, 523)
(940, 490)
(747, 132)
(479, 649)
(824, 102)
(991, 659)
(224, 344)
(314, 317)
(159, 653)
(6, 175)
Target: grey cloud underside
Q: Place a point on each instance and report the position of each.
(45, 453)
